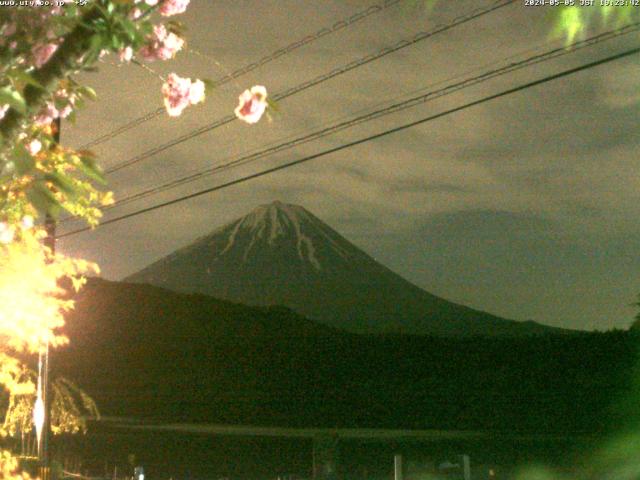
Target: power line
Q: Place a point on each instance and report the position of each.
(365, 139)
(339, 25)
(474, 14)
(409, 103)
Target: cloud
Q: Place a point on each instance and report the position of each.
(525, 206)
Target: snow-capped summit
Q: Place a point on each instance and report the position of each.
(278, 222)
(282, 254)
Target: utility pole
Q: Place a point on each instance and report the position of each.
(43, 356)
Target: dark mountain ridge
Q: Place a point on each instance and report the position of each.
(281, 254)
(147, 352)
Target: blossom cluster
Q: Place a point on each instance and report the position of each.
(180, 92)
(50, 112)
(167, 8)
(30, 40)
(42, 53)
(163, 45)
(252, 104)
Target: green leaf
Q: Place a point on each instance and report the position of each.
(209, 86)
(176, 27)
(145, 28)
(88, 92)
(92, 53)
(90, 168)
(60, 102)
(72, 117)
(116, 42)
(13, 98)
(61, 182)
(23, 160)
(129, 29)
(273, 105)
(42, 198)
(21, 76)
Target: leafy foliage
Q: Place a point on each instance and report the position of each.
(9, 467)
(41, 50)
(43, 45)
(31, 306)
(70, 408)
(573, 20)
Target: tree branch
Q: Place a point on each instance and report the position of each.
(75, 44)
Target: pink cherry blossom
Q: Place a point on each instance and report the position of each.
(173, 7)
(252, 104)
(176, 94)
(196, 92)
(49, 112)
(180, 92)
(66, 111)
(125, 54)
(169, 47)
(135, 13)
(42, 53)
(151, 2)
(34, 146)
(163, 45)
(62, 94)
(47, 115)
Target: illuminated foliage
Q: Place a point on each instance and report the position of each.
(31, 305)
(574, 21)
(70, 408)
(13, 376)
(42, 46)
(9, 467)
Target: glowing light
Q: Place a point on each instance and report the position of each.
(6, 233)
(31, 307)
(38, 408)
(38, 416)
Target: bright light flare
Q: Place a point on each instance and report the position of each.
(38, 416)
(31, 309)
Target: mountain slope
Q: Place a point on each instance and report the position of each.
(281, 254)
(146, 352)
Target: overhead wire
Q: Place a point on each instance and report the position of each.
(336, 27)
(419, 37)
(360, 141)
(372, 115)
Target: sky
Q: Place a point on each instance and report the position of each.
(525, 206)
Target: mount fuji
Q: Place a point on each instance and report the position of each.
(281, 254)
